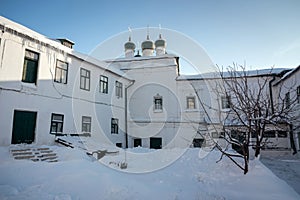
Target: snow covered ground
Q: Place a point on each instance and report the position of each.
(284, 165)
(78, 176)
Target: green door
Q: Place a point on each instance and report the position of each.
(23, 127)
(155, 143)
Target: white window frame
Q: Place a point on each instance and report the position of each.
(225, 102)
(103, 84)
(158, 103)
(86, 124)
(55, 122)
(188, 105)
(119, 89)
(61, 72)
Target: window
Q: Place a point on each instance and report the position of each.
(30, 67)
(198, 142)
(253, 135)
(190, 103)
(298, 94)
(158, 103)
(114, 126)
(85, 76)
(61, 72)
(282, 134)
(57, 122)
(86, 124)
(269, 134)
(119, 145)
(225, 100)
(215, 135)
(287, 100)
(222, 135)
(119, 89)
(103, 84)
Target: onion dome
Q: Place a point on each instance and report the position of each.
(147, 47)
(160, 46)
(129, 48)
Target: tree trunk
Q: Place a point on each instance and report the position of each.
(246, 166)
(293, 146)
(257, 148)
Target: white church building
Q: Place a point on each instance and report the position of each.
(48, 89)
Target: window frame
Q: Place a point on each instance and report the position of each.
(282, 134)
(225, 102)
(63, 75)
(86, 126)
(84, 78)
(114, 129)
(103, 84)
(35, 60)
(269, 134)
(287, 100)
(158, 103)
(119, 89)
(298, 94)
(57, 122)
(119, 144)
(188, 105)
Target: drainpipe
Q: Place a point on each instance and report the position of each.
(271, 94)
(126, 111)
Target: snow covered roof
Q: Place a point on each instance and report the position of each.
(140, 58)
(165, 60)
(249, 73)
(12, 27)
(7, 25)
(101, 64)
(288, 74)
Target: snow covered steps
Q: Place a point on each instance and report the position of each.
(34, 154)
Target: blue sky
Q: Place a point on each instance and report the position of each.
(261, 33)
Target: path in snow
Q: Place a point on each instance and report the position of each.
(284, 165)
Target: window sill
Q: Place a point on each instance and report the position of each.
(29, 85)
(191, 110)
(225, 109)
(60, 83)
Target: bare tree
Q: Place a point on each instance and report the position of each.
(249, 111)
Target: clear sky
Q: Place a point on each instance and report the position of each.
(261, 33)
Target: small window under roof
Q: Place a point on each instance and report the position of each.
(66, 42)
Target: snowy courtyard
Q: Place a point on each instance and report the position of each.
(284, 165)
(78, 176)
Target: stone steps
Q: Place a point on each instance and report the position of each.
(34, 154)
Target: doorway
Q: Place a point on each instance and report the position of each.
(155, 143)
(23, 127)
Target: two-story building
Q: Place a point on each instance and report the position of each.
(49, 89)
